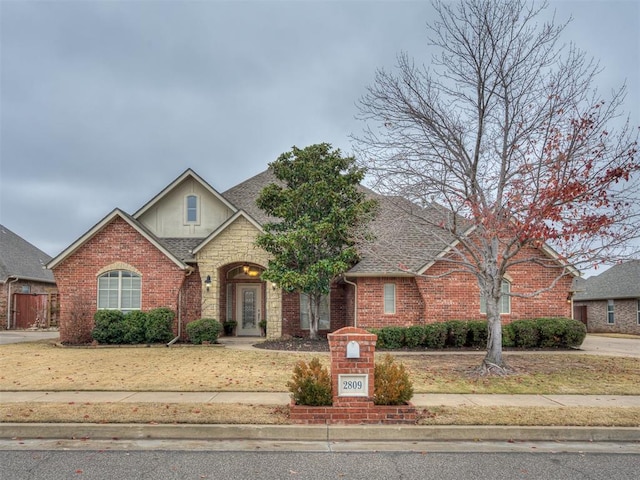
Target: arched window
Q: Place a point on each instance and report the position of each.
(191, 210)
(119, 290)
(505, 300)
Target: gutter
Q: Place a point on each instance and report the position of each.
(355, 300)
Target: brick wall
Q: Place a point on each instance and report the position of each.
(625, 316)
(341, 310)
(116, 246)
(456, 296)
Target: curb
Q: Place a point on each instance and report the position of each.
(331, 433)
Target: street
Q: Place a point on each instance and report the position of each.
(44, 460)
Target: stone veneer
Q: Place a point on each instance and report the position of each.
(236, 244)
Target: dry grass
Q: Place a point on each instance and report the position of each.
(42, 366)
(206, 413)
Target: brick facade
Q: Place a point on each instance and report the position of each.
(625, 316)
(77, 278)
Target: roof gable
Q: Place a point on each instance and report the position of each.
(225, 225)
(619, 281)
(116, 213)
(19, 258)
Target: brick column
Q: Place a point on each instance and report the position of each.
(362, 364)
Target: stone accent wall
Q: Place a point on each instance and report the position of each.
(625, 316)
(116, 244)
(236, 244)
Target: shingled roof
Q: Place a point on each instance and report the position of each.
(19, 258)
(618, 282)
(400, 244)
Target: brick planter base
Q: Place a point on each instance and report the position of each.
(354, 413)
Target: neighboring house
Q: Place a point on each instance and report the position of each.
(192, 249)
(28, 294)
(610, 301)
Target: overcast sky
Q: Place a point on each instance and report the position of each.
(104, 103)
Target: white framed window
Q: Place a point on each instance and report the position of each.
(192, 209)
(119, 290)
(389, 298)
(638, 315)
(611, 317)
(324, 321)
(505, 299)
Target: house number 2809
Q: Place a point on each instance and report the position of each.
(353, 385)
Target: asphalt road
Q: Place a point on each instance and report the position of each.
(171, 464)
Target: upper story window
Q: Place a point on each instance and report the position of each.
(505, 300)
(611, 318)
(119, 290)
(324, 321)
(192, 209)
(389, 298)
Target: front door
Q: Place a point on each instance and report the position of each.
(248, 309)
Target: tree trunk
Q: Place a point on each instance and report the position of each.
(314, 308)
(493, 362)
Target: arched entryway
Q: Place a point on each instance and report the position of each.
(244, 297)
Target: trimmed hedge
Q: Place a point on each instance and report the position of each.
(135, 327)
(204, 330)
(535, 333)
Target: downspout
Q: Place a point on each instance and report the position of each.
(9, 299)
(179, 313)
(355, 301)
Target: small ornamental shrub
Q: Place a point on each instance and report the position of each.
(134, 327)
(109, 326)
(525, 333)
(392, 385)
(204, 330)
(310, 384)
(379, 341)
(456, 333)
(508, 336)
(159, 326)
(435, 335)
(392, 337)
(477, 334)
(414, 336)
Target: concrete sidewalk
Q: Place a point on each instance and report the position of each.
(283, 398)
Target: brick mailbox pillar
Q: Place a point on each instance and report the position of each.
(352, 366)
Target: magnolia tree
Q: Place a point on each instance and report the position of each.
(319, 211)
(505, 130)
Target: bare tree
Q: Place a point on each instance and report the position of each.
(505, 129)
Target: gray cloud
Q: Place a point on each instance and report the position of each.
(103, 103)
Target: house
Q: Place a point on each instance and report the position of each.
(192, 249)
(610, 302)
(28, 294)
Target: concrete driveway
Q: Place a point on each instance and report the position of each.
(611, 346)
(16, 336)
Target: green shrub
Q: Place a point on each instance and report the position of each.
(414, 336)
(392, 385)
(392, 337)
(574, 334)
(109, 326)
(310, 384)
(134, 327)
(435, 335)
(550, 332)
(508, 336)
(525, 333)
(379, 341)
(456, 333)
(204, 330)
(159, 326)
(477, 334)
